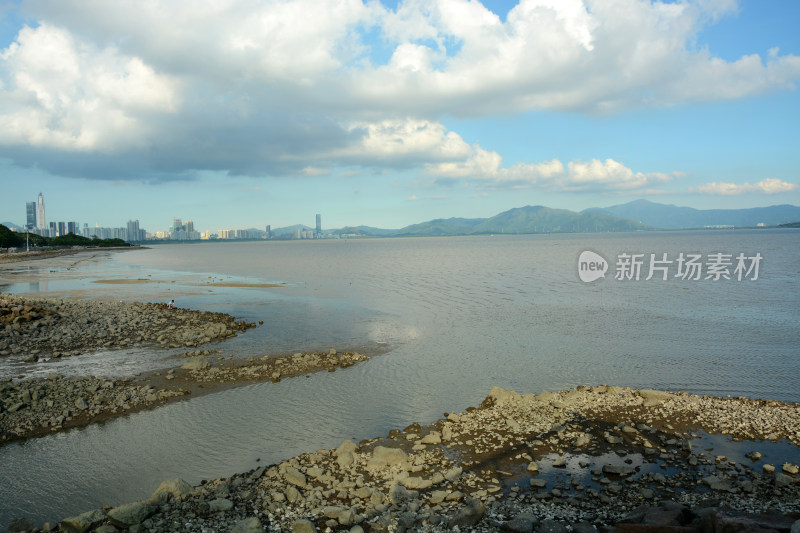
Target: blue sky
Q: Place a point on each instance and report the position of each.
(242, 114)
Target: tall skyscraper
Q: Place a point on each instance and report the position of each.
(40, 221)
(189, 226)
(30, 212)
(62, 228)
(269, 231)
(72, 227)
(318, 232)
(133, 231)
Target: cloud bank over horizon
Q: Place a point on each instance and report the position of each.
(161, 91)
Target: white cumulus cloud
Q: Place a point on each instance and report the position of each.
(765, 186)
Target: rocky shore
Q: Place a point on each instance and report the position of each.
(41, 328)
(586, 460)
(34, 407)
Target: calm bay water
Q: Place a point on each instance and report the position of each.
(447, 318)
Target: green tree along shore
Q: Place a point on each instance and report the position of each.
(9, 239)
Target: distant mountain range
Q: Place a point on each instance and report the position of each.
(673, 217)
(638, 215)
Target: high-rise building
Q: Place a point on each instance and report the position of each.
(72, 227)
(40, 221)
(318, 232)
(269, 232)
(30, 212)
(62, 228)
(53, 228)
(133, 231)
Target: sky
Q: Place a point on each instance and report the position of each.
(238, 114)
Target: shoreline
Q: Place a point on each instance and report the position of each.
(45, 329)
(589, 459)
(16, 257)
(31, 408)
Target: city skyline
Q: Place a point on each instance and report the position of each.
(390, 113)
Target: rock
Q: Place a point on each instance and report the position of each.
(359, 529)
(716, 483)
(619, 470)
(453, 474)
(347, 446)
(131, 513)
(83, 522)
(502, 396)
(468, 515)
(533, 467)
(728, 520)
(174, 489)
(522, 523)
(295, 477)
(197, 363)
(584, 527)
(81, 404)
(437, 496)
(795, 527)
(303, 526)
(346, 458)
(220, 505)
(398, 494)
(416, 483)
(248, 525)
(292, 494)
(107, 528)
(434, 437)
(20, 524)
(383, 457)
(552, 526)
(790, 468)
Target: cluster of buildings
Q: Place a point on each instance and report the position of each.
(35, 222)
(131, 232)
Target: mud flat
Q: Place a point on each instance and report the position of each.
(626, 460)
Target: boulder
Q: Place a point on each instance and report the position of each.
(303, 526)
(171, 489)
(295, 477)
(552, 526)
(434, 437)
(619, 470)
(502, 396)
(131, 514)
(219, 505)
(453, 473)
(468, 515)
(519, 524)
(82, 522)
(383, 457)
(248, 525)
(347, 446)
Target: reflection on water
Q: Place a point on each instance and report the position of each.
(459, 316)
